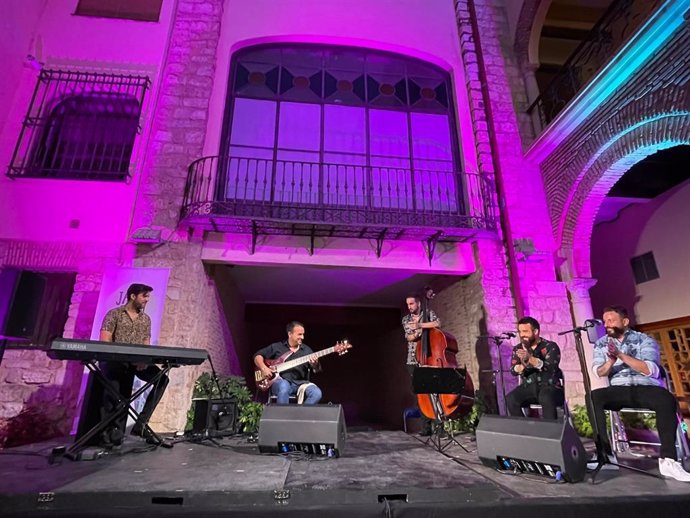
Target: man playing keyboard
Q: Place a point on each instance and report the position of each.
(129, 324)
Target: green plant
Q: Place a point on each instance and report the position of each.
(468, 423)
(227, 387)
(250, 415)
(230, 387)
(639, 420)
(581, 421)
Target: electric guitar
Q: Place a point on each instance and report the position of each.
(282, 363)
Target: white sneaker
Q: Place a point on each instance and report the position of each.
(610, 465)
(670, 468)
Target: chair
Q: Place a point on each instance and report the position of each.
(562, 412)
(619, 438)
(273, 398)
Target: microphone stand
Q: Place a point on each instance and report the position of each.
(602, 457)
(498, 340)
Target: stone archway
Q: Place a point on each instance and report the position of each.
(602, 171)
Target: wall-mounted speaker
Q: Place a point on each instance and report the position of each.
(538, 446)
(312, 429)
(215, 417)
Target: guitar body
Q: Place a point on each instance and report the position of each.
(263, 383)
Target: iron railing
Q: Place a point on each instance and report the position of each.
(621, 20)
(80, 125)
(222, 190)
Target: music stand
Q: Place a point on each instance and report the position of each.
(435, 381)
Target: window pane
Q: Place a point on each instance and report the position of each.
(345, 149)
(253, 123)
(249, 169)
(299, 141)
(391, 182)
(435, 180)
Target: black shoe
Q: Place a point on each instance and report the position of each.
(111, 437)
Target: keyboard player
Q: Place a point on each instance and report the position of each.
(129, 324)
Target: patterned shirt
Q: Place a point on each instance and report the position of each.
(125, 330)
(549, 373)
(635, 344)
(407, 320)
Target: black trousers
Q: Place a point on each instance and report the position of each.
(426, 422)
(653, 398)
(548, 396)
(121, 377)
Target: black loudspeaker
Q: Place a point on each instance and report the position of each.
(215, 417)
(313, 429)
(537, 446)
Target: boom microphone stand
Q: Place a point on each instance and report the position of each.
(602, 457)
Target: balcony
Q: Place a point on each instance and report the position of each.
(622, 20)
(280, 197)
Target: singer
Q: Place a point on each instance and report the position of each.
(631, 362)
(536, 361)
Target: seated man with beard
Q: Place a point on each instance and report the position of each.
(630, 360)
(536, 361)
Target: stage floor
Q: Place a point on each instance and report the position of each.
(381, 473)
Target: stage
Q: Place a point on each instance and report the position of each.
(381, 473)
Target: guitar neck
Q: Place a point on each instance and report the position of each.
(291, 364)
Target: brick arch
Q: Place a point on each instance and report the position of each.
(528, 30)
(603, 170)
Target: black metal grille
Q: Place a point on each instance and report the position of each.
(616, 26)
(80, 125)
(243, 195)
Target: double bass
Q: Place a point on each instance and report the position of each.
(438, 349)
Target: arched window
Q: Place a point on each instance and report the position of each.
(88, 135)
(340, 126)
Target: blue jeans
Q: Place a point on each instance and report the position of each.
(282, 389)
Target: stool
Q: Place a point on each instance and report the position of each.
(410, 413)
(620, 442)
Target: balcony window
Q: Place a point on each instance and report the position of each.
(80, 126)
(143, 10)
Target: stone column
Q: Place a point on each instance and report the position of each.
(581, 306)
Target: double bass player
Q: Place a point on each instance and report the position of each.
(412, 324)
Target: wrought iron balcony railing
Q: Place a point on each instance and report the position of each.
(622, 20)
(235, 194)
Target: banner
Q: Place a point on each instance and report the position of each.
(114, 294)
(114, 291)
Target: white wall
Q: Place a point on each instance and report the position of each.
(661, 226)
(44, 209)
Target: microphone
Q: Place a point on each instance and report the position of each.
(592, 322)
(509, 334)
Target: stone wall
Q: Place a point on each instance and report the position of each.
(531, 276)
(39, 396)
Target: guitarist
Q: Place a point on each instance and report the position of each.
(289, 382)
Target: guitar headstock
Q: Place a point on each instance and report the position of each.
(343, 346)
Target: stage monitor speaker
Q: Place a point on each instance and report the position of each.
(312, 429)
(215, 417)
(536, 446)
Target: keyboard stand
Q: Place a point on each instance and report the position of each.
(124, 406)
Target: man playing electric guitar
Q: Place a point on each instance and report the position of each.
(288, 383)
